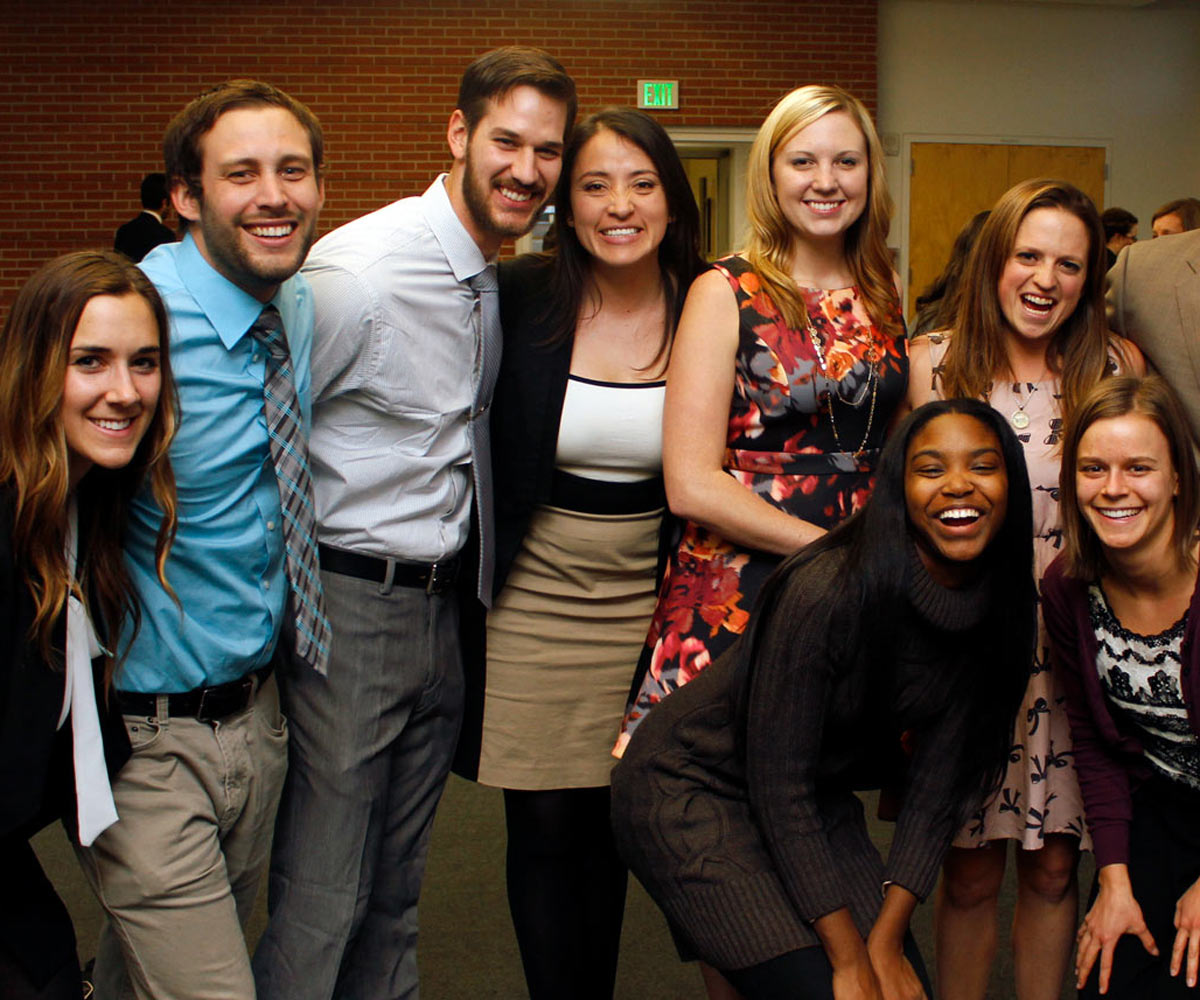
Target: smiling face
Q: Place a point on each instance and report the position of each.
(956, 493)
(506, 167)
(260, 196)
(821, 176)
(1044, 273)
(1126, 484)
(619, 207)
(112, 383)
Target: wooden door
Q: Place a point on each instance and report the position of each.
(951, 181)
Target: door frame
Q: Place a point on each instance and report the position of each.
(737, 142)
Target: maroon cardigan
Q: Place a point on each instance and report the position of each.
(1108, 753)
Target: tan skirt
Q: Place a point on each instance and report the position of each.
(563, 642)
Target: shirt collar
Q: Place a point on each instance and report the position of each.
(462, 252)
(150, 211)
(229, 309)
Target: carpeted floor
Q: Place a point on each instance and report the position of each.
(468, 951)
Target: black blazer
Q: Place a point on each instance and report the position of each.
(37, 777)
(526, 409)
(140, 235)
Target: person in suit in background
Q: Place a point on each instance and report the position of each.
(1154, 300)
(1179, 216)
(87, 411)
(146, 230)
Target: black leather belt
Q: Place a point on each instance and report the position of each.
(206, 704)
(433, 578)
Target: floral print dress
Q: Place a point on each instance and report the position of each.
(781, 445)
(1040, 792)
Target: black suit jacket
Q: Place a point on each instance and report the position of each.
(526, 410)
(37, 777)
(140, 235)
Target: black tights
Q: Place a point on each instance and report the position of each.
(566, 891)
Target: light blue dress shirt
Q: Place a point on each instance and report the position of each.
(227, 564)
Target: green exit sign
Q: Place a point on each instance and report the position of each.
(661, 94)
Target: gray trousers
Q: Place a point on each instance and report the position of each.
(371, 746)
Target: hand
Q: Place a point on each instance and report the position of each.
(897, 979)
(1114, 914)
(1187, 933)
(856, 981)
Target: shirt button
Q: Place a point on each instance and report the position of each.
(270, 526)
(266, 584)
(254, 358)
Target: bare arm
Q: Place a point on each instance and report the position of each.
(885, 945)
(695, 427)
(854, 977)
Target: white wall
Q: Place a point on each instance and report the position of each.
(995, 71)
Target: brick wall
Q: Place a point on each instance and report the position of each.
(86, 88)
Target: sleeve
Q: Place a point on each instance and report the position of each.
(1114, 298)
(790, 690)
(924, 826)
(1103, 780)
(344, 349)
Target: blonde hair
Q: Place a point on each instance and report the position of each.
(768, 245)
(34, 348)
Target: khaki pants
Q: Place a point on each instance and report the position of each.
(178, 873)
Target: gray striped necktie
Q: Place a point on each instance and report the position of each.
(487, 311)
(289, 453)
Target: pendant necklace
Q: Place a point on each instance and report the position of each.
(1019, 418)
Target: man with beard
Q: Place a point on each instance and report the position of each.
(404, 362)
(197, 800)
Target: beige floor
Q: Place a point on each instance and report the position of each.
(468, 951)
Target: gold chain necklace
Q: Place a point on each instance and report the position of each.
(872, 378)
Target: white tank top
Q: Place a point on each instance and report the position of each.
(611, 431)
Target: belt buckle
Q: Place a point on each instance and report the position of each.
(219, 693)
(438, 579)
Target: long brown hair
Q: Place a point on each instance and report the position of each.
(1117, 397)
(1078, 349)
(34, 349)
(768, 245)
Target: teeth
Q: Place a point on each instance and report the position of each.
(114, 425)
(626, 231)
(959, 514)
(513, 195)
(1041, 302)
(823, 206)
(1117, 513)
(280, 230)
